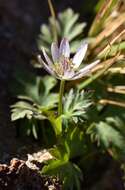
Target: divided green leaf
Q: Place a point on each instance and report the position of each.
(67, 25)
(76, 104)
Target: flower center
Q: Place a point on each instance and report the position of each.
(64, 64)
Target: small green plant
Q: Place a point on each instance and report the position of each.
(40, 104)
(84, 124)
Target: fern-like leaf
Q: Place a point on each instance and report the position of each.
(76, 104)
(67, 25)
(106, 135)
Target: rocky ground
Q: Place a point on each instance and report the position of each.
(19, 176)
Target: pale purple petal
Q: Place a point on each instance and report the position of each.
(86, 70)
(64, 48)
(47, 68)
(68, 74)
(55, 52)
(89, 67)
(47, 57)
(79, 56)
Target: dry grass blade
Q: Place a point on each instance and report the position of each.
(111, 27)
(101, 68)
(108, 63)
(119, 36)
(117, 89)
(101, 15)
(112, 102)
(120, 70)
(54, 20)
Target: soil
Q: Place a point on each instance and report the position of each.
(19, 176)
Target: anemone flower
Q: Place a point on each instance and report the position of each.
(62, 66)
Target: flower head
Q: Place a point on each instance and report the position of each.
(62, 66)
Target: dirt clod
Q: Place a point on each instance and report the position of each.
(19, 176)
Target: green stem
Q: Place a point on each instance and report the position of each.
(60, 105)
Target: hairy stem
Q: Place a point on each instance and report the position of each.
(60, 105)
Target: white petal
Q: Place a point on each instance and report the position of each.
(64, 48)
(89, 67)
(79, 56)
(55, 52)
(86, 70)
(47, 68)
(47, 57)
